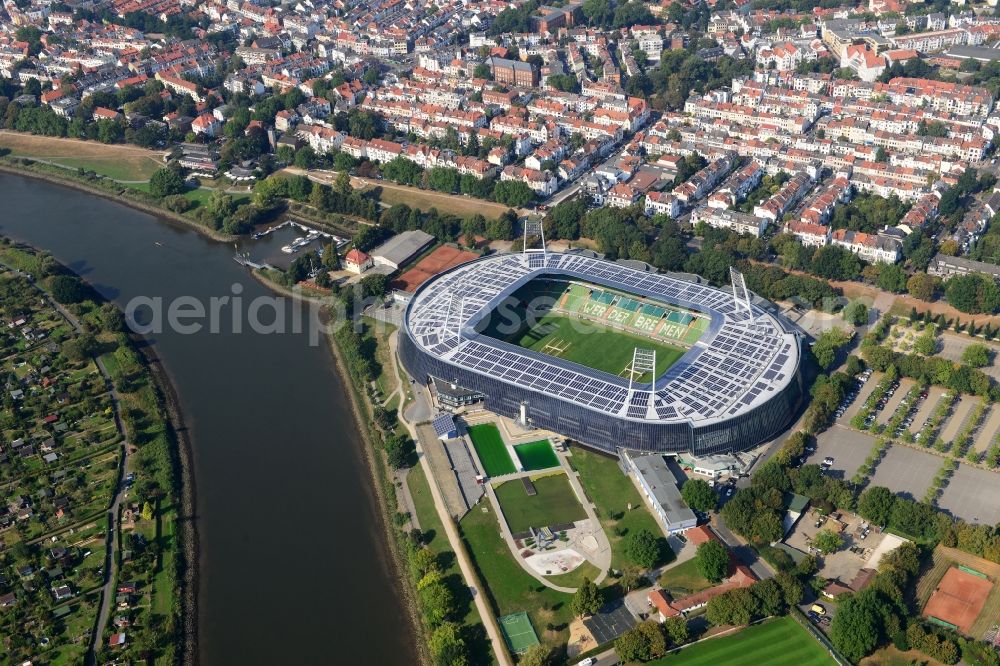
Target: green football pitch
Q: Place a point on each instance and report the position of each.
(536, 455)
(554, 503)
(780, 641)
(591, 344)
(491, 450)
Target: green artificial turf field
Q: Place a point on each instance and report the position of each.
(779, 641)
(536, 455)
(491, 450)
(554, 504)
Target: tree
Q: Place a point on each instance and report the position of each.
(537, 655)
(827, 541)
(677, 630)
(926, 342)
(736, 607)
(976, 355)
(67, 289)
(712, 560)
(447, 645)
(147, 511)
(374, 285)
(643, 548)
(165, 182)
(973, 293)
(643, 642)
(876, 504)
(587, 599)
(513, 193)
(829, 343)
(856, 626)
(923, 286)
(699, 495)
(856, 313)
(436, 599)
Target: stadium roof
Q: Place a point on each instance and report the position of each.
(737, 364)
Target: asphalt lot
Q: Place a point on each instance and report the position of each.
(907, 472)
(973, 495)
(847, 447)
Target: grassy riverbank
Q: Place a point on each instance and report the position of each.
(134, 196)
(127, 409)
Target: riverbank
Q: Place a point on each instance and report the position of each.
(361, 408)
(382, 488)
(143, 413)
(34, 170)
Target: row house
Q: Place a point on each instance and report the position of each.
(781, 201)
(622, 196)
(809, 233)
(820, 207)
(737, 186)
(887, 187)
(542, 183)
(736, 221)
(700, 184)
(321, 139)
(512, 125)
(662, 203)
(179, 86)
(873, 248)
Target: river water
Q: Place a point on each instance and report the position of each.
(293, 563)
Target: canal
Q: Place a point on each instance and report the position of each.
(293, 564)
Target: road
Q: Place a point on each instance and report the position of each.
(110, 561)
(454, 540)
(744, 552)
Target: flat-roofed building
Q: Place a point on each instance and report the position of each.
(660, 491)
(401, 248)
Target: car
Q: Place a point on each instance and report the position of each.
(824, 619)
(819, 609)
(729, 491)
(828, 460)
(589, 661)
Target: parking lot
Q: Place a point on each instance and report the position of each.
(988, 432)
(973, 495)
(907, 471)
(847, 447)
(844, 564)
(893, 402)
(862, 395)
(959, 414)
(926, 408)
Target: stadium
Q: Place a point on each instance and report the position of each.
(607, 354)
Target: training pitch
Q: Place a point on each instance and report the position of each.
(780, 641)
(491, 450)
(536, 455)
(518, 631)
(554, 503)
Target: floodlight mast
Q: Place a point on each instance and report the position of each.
(533, 228)
(741, 295)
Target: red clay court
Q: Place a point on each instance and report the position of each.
(959, 598)
(441, 259)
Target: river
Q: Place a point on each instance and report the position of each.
(293, 564)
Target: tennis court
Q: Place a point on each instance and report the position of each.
(518, 632)
(536, 455)
(491, 450)
(959, 598)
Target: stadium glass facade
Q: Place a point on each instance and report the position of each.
(609, 433)
(737, 387)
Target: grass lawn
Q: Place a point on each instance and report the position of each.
(455, 204)
(114, 161)
(509, 588)
(554, 504)
(779, 641)
(491, 450)
(684, 578)
(612, 492)
(590, 344)
(536, 455)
